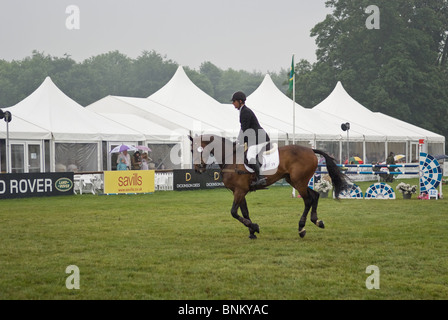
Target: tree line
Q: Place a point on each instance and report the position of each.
(114, 73)
(399, 68)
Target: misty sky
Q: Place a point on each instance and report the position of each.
(253, 35)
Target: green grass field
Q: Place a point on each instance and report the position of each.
(186, 245)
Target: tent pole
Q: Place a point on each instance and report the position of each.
(8, 162)
(348, 148)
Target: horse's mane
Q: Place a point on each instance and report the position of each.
(222, 156)
(207, 138)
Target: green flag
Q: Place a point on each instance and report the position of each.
(291, 75)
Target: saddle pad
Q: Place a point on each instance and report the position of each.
(270, 162)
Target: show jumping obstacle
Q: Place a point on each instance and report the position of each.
(430, 174)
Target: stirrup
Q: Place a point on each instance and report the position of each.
(261, 181)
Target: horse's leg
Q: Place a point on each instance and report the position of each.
(253, 227)
(307, 199)
(310, 198)
(239, 200)
(314, 219)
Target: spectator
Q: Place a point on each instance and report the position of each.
(145, 161)
(136, 161)
(390, 160)
(126, 157)
(122, 165)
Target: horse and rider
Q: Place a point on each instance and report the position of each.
(297, 165)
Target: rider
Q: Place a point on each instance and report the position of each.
(250, 128)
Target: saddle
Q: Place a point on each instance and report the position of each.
(269, 161)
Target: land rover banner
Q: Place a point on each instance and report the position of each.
(129, 181)
(191, 180)
(23, 185)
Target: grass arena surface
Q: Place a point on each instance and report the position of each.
(186, 245)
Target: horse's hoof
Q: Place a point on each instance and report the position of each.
(302, 233)
(255, 227)
(252, 236)
(320, 224)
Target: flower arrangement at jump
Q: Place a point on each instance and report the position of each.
(323, 186)
(406, 188)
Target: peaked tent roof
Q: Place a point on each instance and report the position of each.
(180, 94)
(48, 107)
(269, 101)
(340, 104)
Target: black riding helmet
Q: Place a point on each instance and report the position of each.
(239, 95)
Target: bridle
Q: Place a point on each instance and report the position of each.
(203, 167)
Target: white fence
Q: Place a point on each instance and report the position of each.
(163, 181)
(88, 183)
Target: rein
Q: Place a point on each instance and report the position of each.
(235, 170)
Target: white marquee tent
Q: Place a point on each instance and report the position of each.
(182, 95)
(51, 132)
(19, 132)
(21, 129)
(162, 126)
(76, 134)
(389, 134)
(371, 135)
(268, 101)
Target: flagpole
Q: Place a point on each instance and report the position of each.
(293, 112)
(294, 108)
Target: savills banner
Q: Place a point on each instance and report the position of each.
(24, 185)
(129, 181)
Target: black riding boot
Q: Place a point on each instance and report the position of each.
(261, 181)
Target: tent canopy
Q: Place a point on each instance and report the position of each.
(164, 117)
(49, 108)
(269, 102)
(20, 129)
(180, 94)
(341, 105)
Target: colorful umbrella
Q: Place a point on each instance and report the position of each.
(143, 148)
(440, 157)
(122, 148)
(354, 160)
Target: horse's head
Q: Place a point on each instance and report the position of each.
(199, 151)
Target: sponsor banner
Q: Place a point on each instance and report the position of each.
(186, 180)
(24, 185)
(191, 180)
(129, 181)
(212, 179)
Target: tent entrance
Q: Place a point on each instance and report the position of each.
(414, 152)
(26, 157)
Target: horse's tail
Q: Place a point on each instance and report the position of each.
(337, 177)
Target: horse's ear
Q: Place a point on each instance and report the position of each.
(212, 138)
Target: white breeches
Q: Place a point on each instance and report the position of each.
(253, 151)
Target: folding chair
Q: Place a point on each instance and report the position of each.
(87, 183)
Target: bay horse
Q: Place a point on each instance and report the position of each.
(297, 165)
